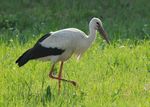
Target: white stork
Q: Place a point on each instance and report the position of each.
(60, 45)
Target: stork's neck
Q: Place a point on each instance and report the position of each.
(92, 34)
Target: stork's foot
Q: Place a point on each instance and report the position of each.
(60, 79)
(74, 83)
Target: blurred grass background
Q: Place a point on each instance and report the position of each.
(26, 19)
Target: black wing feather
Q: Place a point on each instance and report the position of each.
(38, 51)
(43, 37)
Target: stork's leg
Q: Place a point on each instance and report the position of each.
(59, 75)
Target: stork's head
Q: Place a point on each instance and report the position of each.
(96, 24)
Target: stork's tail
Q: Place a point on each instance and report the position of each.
(23, 59)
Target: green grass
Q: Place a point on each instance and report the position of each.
(116, 75)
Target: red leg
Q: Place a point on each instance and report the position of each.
(59, 76)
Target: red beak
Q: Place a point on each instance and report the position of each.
(103, 33)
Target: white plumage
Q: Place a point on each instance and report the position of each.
(62, 44)
(71, 40)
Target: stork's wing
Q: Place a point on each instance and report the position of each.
(59, 40)
(39, 51)
(49, 49)
(43, 37)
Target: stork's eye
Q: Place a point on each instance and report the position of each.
(97, 23)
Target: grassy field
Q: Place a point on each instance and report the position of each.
(116, 75)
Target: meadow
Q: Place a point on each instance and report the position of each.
(115, 75)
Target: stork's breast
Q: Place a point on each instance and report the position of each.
(66, 55)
